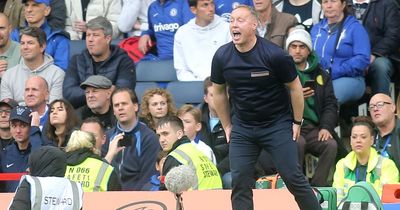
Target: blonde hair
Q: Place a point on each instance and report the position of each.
(81, 139)
(194, 111)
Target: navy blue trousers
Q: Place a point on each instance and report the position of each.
(245, 146)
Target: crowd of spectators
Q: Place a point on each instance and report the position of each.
(342, 49)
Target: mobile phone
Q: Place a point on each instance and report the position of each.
(125, 141)
(310, 84)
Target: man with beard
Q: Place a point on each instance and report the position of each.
(9, 50)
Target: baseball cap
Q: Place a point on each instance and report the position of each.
(97, 81)
(9, 102)
(21, 113)
(46, 2)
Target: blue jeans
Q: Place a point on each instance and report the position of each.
(379, 75)
(245, 146)
(348, 89)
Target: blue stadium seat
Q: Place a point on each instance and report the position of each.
(186, 92)
(76, 47)
(141, 87)
(156, 71)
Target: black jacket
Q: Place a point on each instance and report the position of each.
(381, 20)
(215, 139)
(118, 68)
(325, 101)
(78, 156)
(43, 162)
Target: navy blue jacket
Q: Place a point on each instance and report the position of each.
(118, 68)
(136, 163)
(14, 160)
(381, 20)
(57, 44)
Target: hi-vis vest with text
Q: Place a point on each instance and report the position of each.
(92, 174)
(207, 173)
(51, 193)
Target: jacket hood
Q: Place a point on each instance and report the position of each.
(312, 63)
(47, 161)
(217, 21)
(78, 156)
(47, 61)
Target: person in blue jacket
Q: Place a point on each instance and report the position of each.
(164, 18)
(24, 127)
(57, 43)
(346, 57)
(131, 147)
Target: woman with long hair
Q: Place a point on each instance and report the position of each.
(61, 122)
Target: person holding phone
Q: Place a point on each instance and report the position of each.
(131, 146)
(320, 107)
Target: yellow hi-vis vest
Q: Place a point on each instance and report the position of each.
(50, 193)
(207, 173)
(92, 174)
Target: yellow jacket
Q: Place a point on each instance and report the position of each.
(345, 174)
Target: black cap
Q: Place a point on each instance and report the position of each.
(21, 113)
(9, 102)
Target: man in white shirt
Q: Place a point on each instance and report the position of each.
(196, 42)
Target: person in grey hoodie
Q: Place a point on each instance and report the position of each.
(35, 63)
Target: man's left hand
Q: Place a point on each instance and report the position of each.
(296, 131)
(324, 135)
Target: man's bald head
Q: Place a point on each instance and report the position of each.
(36, 92)
(382, 109)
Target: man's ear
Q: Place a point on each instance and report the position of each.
(47, 11)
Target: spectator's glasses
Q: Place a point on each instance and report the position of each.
(6, 111)
(378, 105)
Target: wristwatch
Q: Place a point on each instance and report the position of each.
(298, 122)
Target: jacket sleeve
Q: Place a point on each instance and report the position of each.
(71, 89)
(329, 110)
(58, 14)
(129, 15)
(113, 182)
(150, 149)
(114, 10)
(390, 173)
(57, 86)
(61, 52)
(170, 162)
(338, 180)
(150, 30)
(356, 64)
(5, 90)
(22, 198)
(35, 138)
(182, 70)
(126, 73)
(390, 41)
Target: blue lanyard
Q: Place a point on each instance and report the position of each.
(383, 151)
(363, 178)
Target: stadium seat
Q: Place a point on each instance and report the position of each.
(186, 92)
(76, 47)
(141, 87)
(156, 71)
